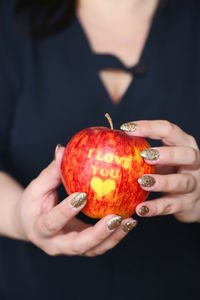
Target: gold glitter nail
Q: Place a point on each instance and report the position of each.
(146, 181)
(144, 210)
(56, 150)
(78, 200)
(114, 222)
(130, 127)
(129, 225)
(150, 154)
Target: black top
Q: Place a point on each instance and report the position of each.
(49, 90)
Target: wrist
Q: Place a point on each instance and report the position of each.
(18, 230)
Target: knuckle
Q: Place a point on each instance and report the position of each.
(78, 250)
(42, 173)
(192, 140)
(94, 253)
(154, 208)
(190, 184)
(168, 207)
(195, 160)
(49, 224)
(193, 201)
(48, 171)
(169, 127)
(162, 207)
(187, 184)
(172, 154)
(52, 247)
(51, 251)
(164, 184)
(91, 254)
(32, 185)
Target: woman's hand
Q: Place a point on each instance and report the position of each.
(179, 160)
(54, 227)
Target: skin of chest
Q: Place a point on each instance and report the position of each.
(116, 83)
(125, 40)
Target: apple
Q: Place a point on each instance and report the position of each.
(105, 164)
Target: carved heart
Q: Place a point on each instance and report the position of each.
(101, 187)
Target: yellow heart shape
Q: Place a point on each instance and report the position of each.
(101, 187)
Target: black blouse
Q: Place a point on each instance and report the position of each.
(49, 90)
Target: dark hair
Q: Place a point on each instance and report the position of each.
(46, 17)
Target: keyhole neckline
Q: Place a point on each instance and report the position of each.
(105, 61)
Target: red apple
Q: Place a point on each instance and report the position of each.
(105, 164)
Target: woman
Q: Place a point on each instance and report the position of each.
(137, 60)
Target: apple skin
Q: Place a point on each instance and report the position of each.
(105, 164)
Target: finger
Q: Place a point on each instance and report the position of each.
(79, 243)
(172, 156)
(53, 221)
(162, 206)
(126, 226)
(173, 183)
(49, 179)
(169, 133)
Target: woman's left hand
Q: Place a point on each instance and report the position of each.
(179, 159)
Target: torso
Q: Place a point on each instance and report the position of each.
(58, 94)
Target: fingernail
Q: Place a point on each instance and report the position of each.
(150, 154)
(144, 210)
(78, 200)
(114, 222)
(130, 126)
(56, 150)
(129, 225)
(146, 181)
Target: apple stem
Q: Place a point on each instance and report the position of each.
(109, 120)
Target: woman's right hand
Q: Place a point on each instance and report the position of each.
(54, 227)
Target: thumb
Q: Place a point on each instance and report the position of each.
(49, 179)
